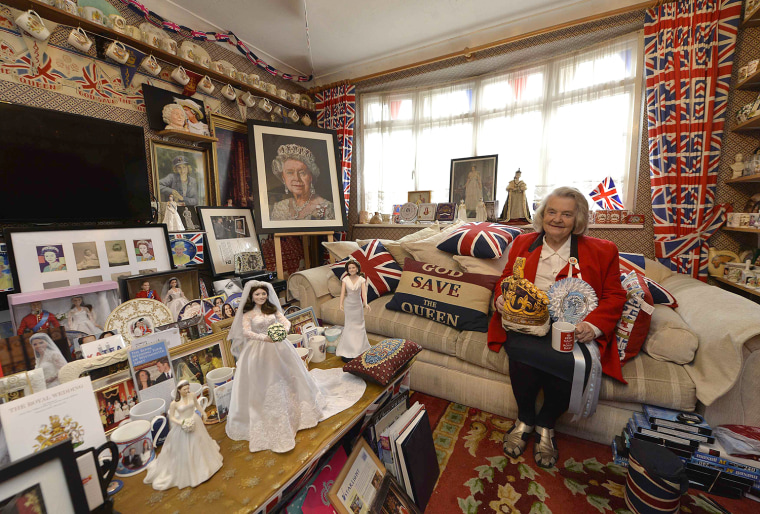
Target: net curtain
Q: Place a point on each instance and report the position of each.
(689, 50)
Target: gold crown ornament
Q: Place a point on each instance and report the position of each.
(526, 307)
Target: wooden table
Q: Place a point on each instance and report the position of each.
(252, 482)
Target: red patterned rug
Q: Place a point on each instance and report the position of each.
(476, 477)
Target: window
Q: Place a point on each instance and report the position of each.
(571, 121)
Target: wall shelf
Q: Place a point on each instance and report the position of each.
(181, 134)
(747, 178)
(750, 290)
(753, 19)
(751, 82)
(749, 125)
(58, 16)
(739, 229)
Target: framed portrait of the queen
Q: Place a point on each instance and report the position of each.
(297, 179)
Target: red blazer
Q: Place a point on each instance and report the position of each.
(599, 264)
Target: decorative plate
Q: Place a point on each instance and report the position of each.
(408, 211)
(138, 317)
(571, 299)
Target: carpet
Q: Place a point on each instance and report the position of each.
(476, 476)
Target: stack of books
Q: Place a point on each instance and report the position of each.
(687, 435)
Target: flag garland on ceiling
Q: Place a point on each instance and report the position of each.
(228, 37)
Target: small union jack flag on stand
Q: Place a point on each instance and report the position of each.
(606, 196)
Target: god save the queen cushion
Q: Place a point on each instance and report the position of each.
(460, 300)
(479, 239)
(381, 362)
(380, 269)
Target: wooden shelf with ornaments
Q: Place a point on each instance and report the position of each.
(752, 19)
(743, 229)
(181, 134)
(747, 178)
(48, 12)
(750, 290)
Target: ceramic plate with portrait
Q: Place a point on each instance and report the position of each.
(180, 171)
(51, 258)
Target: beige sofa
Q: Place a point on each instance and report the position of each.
(722, 380)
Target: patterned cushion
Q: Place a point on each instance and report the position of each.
(380, 270)
(479, 239)
(632, 329)
(460, 300)
(632, 262)
(660, 295)
(380, 363)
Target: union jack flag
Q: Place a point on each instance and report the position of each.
(381, 271)
(632, 262)
(480, 239)
(606, 196)
(336, 109)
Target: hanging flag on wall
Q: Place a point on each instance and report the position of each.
(606, 196)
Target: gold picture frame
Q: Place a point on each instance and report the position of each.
(166, 178)
(231, 163)
(419, 197)
(217, 337)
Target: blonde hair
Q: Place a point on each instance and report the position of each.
(580, 227)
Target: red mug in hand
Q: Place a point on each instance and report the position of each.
(563, 336)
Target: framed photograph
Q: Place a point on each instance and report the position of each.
(298, 184)
(49, 480)
(192, 361)
(473, 178)
(182, 172)
(229, 231)
(426, 212)
(300, 318)
(419, 197)
(188, 218)
(6, 278)
(187, 248)
(231, 163)
(46, 258)
(168, 110)
(114, 401)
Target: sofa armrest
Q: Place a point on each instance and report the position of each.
(725, 324)
(309, 287)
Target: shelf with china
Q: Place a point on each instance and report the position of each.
(752, 19)
(743, 229)
(745, 179)
(189, 136)
(48, 12)
(746, 289)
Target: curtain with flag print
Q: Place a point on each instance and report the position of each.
(689, 50)
(336, 110)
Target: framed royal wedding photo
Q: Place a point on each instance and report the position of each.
(181, 171)
(229, 231)
(298, 183)
(473, 178)
(47, 258)
(49, 480)
(231, 163)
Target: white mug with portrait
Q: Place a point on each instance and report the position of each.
(118, 52)
(118, 23)
(79, 40)
(169, 45)
(229, 92)
(264, 105)
(150, 65)
(180, 75)
(248, 98)
(205, 85)
(32, 23)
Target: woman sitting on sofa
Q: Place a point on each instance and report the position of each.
(561, 224)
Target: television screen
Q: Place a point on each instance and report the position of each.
(61, 167)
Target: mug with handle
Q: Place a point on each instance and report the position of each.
(217, 377)
(118, 52)
(305, 355)
(32, 22)
(180, 75)
(150, 65)
(133, 436)
(152, 410)
(318, 345)
(79, 40)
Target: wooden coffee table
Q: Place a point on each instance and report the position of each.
(254, 482)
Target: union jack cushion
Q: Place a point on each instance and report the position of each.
(479, 239)
(660, 295)
(378, 265)
(632, 262)
(632, 328)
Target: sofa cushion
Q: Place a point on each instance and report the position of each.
(479, 239)
(649, 381)
(657, 272)
(670, 338)
(660, 295)
(461, 300)
(379, 320)
(377, 264)
(340, 249)
(633, 326)
(334, 285)
(425, 250)
(398, 253)
(632, 262)
(380, 363)
(483, 266)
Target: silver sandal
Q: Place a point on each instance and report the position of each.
(516, 440)
(545, 448)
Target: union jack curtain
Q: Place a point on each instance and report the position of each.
(606, 195)
(689, 50)
(336, 110)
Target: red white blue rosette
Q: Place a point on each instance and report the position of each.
(571, 300)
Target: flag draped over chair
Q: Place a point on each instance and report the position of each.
(336, 109)
(689, 50)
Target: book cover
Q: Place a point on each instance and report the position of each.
(404, 478)
(420, 460)
(151, 365)
(388, 438)
(686, 421)
(385, 417)
(222, 397)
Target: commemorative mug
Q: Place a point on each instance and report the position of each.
(150, 65)
(118, 23)
(133, 32)
(306, 119)
(255, 80)
(305, 355)
(92, 14)
(203, 61)
(198, 390)
(304, 101)
(69, 6)
(187, 54)
(331, 334)
(136, 447)
(205, 85)
(272, 89)
(295, 339)
(31, 22)
(265, 105)
(152, 411)
(79, 40)
(242, 77)
(229, 92)
(318, 345)
(282, 93)
(180, 75)
(152, 39)
(169, 45)
(293, 115)
(249, 99)
(563, 336)
(118, 52)
(277, 110)
(217, 67)
(217, 377)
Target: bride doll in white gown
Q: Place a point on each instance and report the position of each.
(80, 318)
(189, 456)
(48, 357)
(273, 395)
(353, 300)
(173, 297)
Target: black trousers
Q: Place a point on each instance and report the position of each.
(527, 382)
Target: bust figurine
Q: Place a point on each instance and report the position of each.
(738, 166)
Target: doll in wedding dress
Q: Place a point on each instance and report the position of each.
(273, 395)
(48, 357)
(353, 300)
